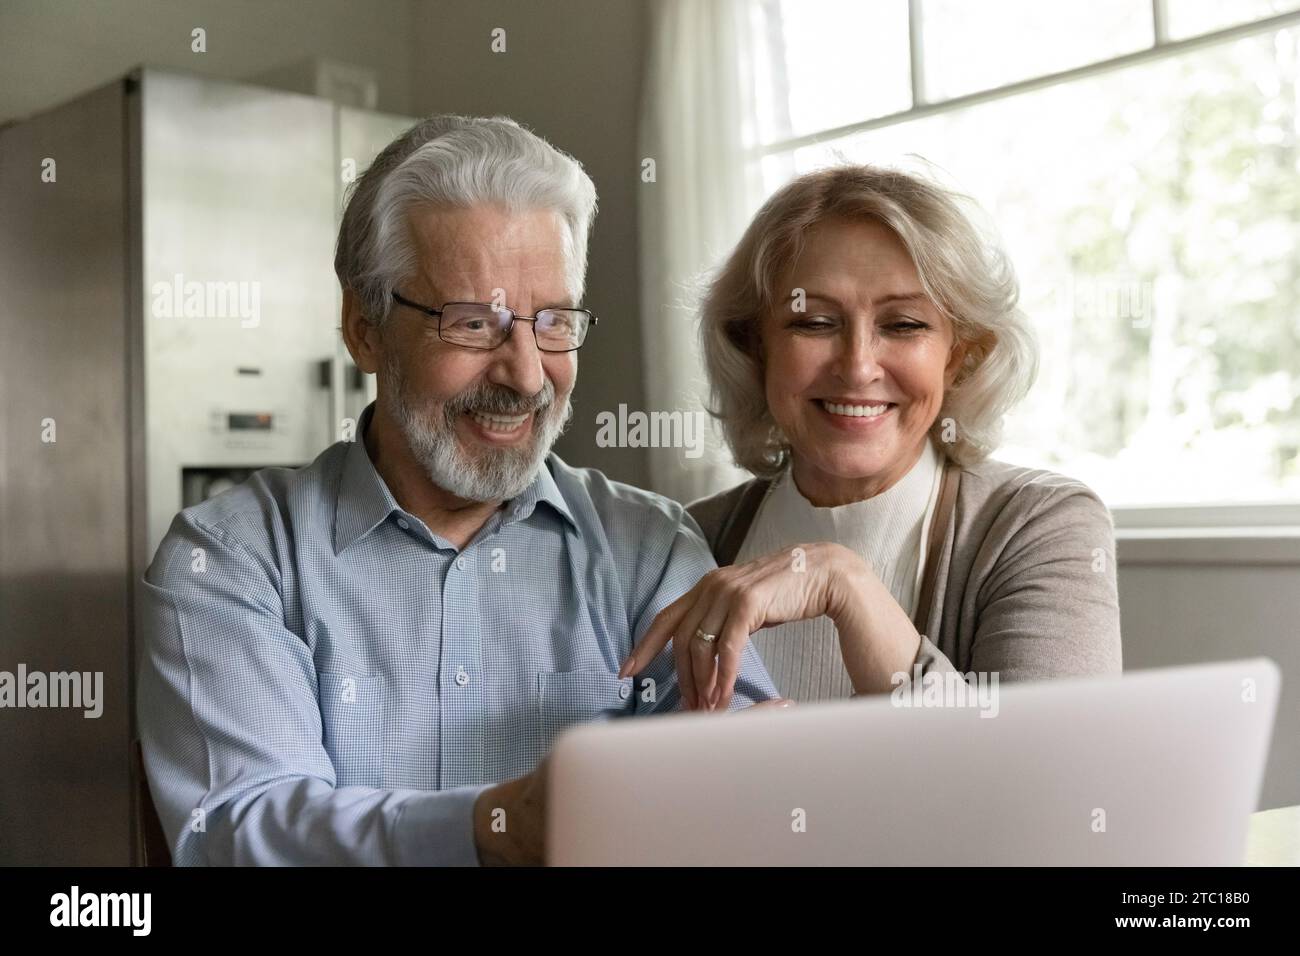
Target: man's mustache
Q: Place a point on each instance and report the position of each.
(499, 400)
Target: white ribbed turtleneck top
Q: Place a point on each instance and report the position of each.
(887, 530)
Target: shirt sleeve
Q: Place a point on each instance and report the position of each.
(689, 559)
(1050, 606)
(230, 724)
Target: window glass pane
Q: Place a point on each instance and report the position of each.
(1153, 215)
(1189, 17)
(837, 62)
(976, 46)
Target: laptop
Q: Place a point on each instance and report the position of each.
(1154, 768)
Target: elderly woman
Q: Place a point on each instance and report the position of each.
(862, 345)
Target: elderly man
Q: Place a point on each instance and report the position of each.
(365, 660)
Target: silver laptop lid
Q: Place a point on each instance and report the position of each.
(1158, 767)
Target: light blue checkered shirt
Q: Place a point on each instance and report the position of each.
(325, 681)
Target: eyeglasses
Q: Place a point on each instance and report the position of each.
(477, 325)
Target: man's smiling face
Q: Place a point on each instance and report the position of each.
(480, 422)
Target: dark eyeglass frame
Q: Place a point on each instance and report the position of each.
(437, 314)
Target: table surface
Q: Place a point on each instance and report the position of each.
(1273, 838)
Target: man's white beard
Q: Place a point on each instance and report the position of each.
(494, 474)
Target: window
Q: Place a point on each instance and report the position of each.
(1187, 18)
(968, 47)
(859, 50)
(1151, 205)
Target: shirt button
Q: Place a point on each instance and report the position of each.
(462, 563)
(624, 691)
(403, 524)
(462, 677)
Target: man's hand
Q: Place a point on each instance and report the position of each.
(510, 821)
(510, 818)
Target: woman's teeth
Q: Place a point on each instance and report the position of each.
(856, 411)
(498, 423)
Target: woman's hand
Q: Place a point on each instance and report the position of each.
(733, 602)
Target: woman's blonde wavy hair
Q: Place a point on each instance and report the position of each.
(963, 270)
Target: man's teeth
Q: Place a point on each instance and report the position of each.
(856, 411)
(498, 423)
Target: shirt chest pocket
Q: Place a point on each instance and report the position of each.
(566, 698)
(352, 727)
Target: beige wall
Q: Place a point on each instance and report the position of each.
(1177, 612)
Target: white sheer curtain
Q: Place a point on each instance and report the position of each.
(699, 124)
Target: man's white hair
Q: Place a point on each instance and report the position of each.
(457, 161)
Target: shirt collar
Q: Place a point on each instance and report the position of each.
(364, 500)
(543, 489)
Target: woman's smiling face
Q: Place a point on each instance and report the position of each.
(855, 379)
